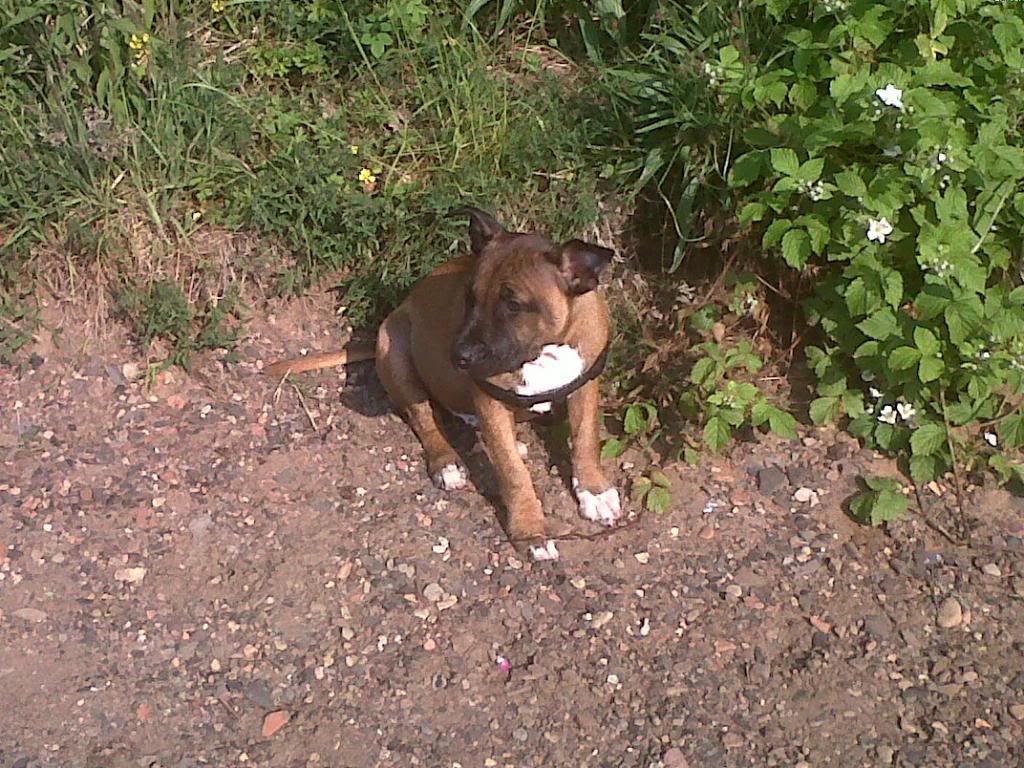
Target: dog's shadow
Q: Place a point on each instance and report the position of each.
(364, 394)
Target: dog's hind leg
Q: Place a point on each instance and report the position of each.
(398, 375)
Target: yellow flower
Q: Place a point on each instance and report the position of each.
(218, 5)
(135, 43)
(354, 149)
(366, 176)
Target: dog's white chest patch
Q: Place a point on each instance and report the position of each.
(556, 366)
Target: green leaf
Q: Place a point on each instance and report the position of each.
(752, 212)
(704, 318)
(926, 341)
(803, 95)
(811, 170)
(902, 358)
(928, 439)
(782, 424)
(824, 410)
(775, 231)
(880, 325)
(759, 412)
(930, 369)
(850, 184)
(716, 434)
(962, 319)
(612, 448)
(923, 469)
(844, 86)
(661, 479)
(1011, 431)
(888, 506)
(857, 298)
(636, 420)
(785, 161)
(931, 302)
(818, 231)
(747, 168)
(893, 287)
(796, 247)
(658, 500)
(703, 372)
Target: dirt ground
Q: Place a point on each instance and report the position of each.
(210, 571)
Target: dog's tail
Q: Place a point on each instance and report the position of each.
(351, 353)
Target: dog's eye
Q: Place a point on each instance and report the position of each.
(508, 298)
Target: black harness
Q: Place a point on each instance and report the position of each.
(513, 398)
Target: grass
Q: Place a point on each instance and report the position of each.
(144, 146)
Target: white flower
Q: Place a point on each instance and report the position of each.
(991, 439)
(941, 157)
(875, 394)
(879, 229)
(891, 96)
(905, 410)
(816, 191)
(888, 415)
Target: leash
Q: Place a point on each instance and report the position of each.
(574, 534)
(510, 397)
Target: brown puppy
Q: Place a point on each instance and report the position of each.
(499, 335)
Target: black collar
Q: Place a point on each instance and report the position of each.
(511, 397)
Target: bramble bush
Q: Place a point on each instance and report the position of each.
(877, 150)
(885, 160)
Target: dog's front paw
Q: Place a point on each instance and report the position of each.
(451, 477)
(546, 552)
(603, 507)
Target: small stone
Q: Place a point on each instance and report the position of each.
(274, 722)
(886, 754)
(258, 692)
(674, 758)
(732, 741)
(806, 495)
(1017, 711)
(601, 618)
(879, 626)
(1018, 587)
(30, 614)
(770, 479)
(433, 592)
(642, 557)
(707, 532)
(215, 666)
(448, 602)
(734, 591)
(991, 569)
(130, 575)
(950, 614)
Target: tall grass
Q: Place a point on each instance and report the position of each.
(129, 132)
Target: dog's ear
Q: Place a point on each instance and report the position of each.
(581, 264)
(482, 227)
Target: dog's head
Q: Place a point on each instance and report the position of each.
(521, 294)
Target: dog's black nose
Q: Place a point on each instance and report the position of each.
(462, 358)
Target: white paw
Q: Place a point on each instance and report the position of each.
(548, 552)
(521, 449)
(604, 507)
(451, 478)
